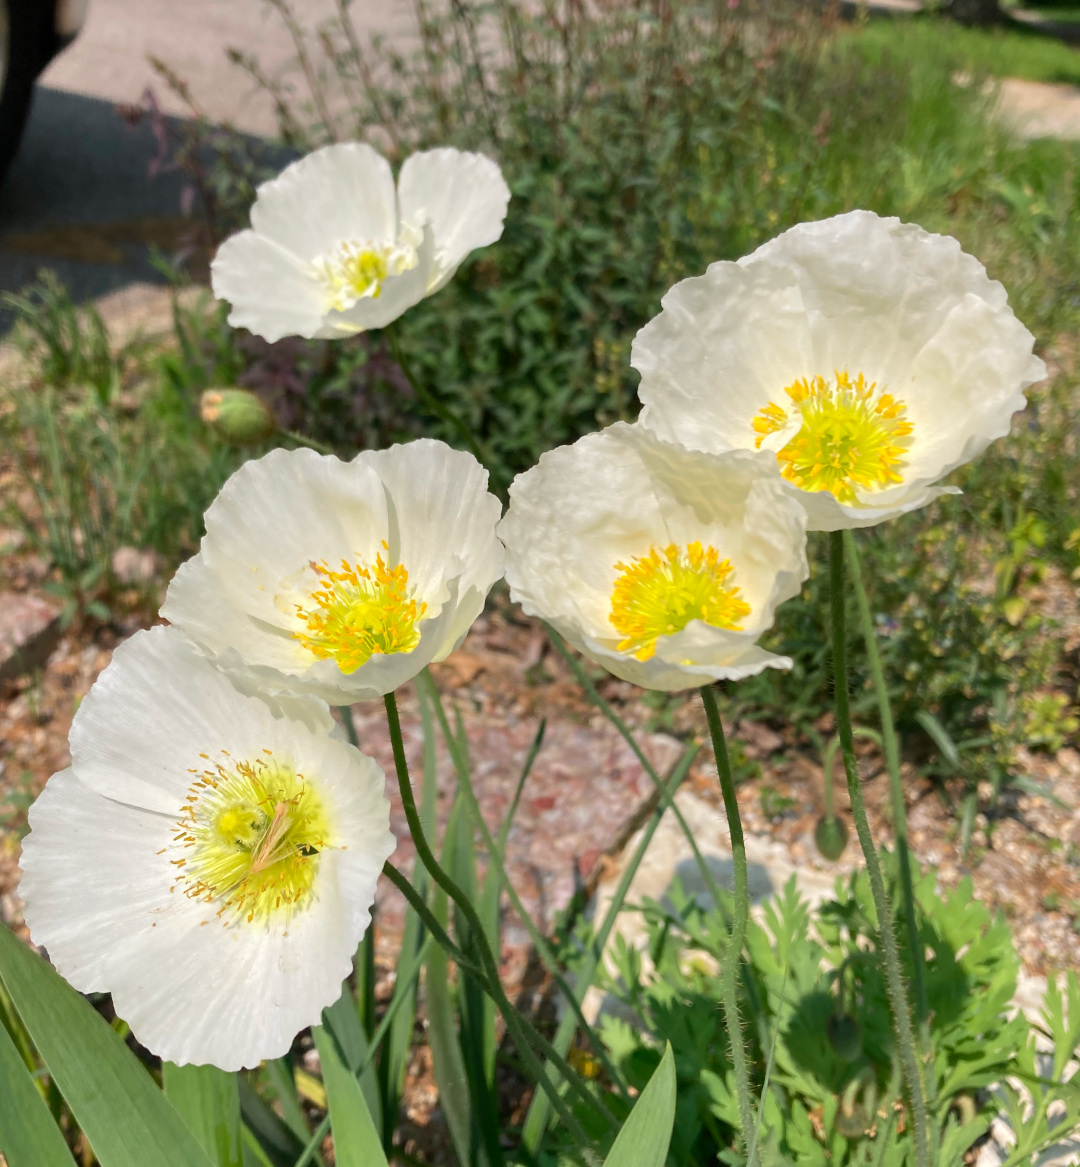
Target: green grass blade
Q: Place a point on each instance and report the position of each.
(278, 1143)
(279, 1073)
(208, 1100)
(28, 1135)
(357, 1141)
(448, 1064)
(342, 1022)
(536, 1119)
(399, 1041)
(498, 878)
(646, 1134)
(125, 1117)
(476, 1009)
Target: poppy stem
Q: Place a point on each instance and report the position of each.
(894, 980)
(730, 980)
(524, 1034)
(892, 763)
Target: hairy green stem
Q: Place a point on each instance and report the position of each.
(434, 404)
(310, 443)
(892, 763)
(730, 980)
(495, 856)
(515, 1023)
(894, 979)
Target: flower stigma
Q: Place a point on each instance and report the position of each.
(852, 437)
(252, 833)
(354, 271)
(660, 593)
(360, 611)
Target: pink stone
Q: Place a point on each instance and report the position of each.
(29, 630)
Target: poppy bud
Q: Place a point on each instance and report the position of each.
(239, 416)
(831, 837)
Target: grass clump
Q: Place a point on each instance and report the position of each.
(115, 468)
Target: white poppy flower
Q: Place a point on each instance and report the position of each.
(662, 565)
(334, 250)
(208, 860)
(868, 356)
(341, 579)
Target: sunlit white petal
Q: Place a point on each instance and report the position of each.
(856, 296)
(341, 580)
(203, 969)
(588, 516)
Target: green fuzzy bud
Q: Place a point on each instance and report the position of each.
(831, 837)
(238, 416)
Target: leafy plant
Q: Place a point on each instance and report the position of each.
(820, 1028)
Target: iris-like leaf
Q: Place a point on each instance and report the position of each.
(646, 1134)
(126, 1118)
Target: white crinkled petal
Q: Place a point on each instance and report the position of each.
(440, 511)
(238, 597)
(464, 196)
(337, 194)
(270, 521)
(857, 293)
(615, 495)
(272, 293)
(97, 885)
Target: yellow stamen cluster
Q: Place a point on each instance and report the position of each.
(360, 611)
(660, 593)
(250, 835)
(852, 437)
(356, 271)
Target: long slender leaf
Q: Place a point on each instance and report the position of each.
(209, 1102)
(357, 1141)
(408, 972)
(646, 1134)
(399, 1042)
(536, 1119)
(280, 1075)
(498, 878)
(28, 1135)
(125, 1117)
(447, 1063)
(476, 1010)
(342, 1021)
(279, 1144)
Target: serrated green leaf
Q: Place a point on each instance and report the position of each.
(646, 1134)
(209, 1102)
(28, 1135)
(356, 1138)
(125, 1117)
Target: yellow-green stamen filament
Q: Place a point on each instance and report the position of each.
(358, 612)
(250, 836)
(852, 437)
(354, 271)
(660, 593)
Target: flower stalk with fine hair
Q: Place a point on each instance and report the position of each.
(730, 980)
(894, 979)
(523, 1034)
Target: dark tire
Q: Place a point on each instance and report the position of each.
(19, 71)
